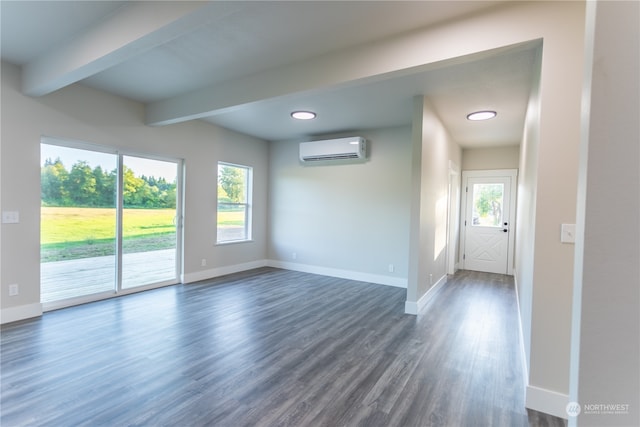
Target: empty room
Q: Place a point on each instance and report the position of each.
(320, 213)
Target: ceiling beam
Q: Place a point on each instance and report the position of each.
(430, 47)
(131, 30)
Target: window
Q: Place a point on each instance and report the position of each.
(234, 203)
(487, 204)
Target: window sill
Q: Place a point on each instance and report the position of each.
(233, 242)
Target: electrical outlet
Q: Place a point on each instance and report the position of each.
(294, 256)
(13, 290)
(431, 279)
(203, 262)
(391, 268)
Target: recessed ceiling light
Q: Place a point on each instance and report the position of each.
(303, 115)
(481, 115)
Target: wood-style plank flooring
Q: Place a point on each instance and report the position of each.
(272, 347)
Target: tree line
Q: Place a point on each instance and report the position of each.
(83, 186)
(232, 183)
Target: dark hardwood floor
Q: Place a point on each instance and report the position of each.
(271, 348)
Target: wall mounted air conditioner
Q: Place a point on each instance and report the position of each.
(353, 148)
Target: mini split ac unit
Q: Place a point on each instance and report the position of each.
(354, 148)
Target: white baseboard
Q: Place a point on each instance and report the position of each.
(547, 401)
(221, 271)
(343, 274)
(21, 312)
(414, 307)
(536, 398)
(411, 307)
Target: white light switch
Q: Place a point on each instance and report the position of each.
(568, 233)
(10, 217)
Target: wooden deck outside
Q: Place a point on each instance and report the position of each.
(61, 280)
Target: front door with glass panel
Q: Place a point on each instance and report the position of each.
(487, 225)
(108, 222)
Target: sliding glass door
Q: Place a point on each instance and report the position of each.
(149, 237)
(108, 222)
(77, 223)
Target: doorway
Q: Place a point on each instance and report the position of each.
(109, 222)
(488, 215)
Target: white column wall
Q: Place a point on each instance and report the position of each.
(605, 370)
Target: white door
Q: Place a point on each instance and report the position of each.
(488, 221)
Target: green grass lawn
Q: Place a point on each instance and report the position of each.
(72, 233)
(64, 225)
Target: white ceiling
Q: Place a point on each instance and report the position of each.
(157, 51)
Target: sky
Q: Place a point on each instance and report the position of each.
(108, 162)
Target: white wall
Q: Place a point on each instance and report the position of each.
(491, 158)
(556, 189)
(526, 215)
(85, 114)
(433, 149)
(348, 220)
(606, 329)
(547, 187)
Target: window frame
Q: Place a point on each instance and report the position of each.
(247, 205)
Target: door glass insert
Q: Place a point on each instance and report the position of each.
(487, 204)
